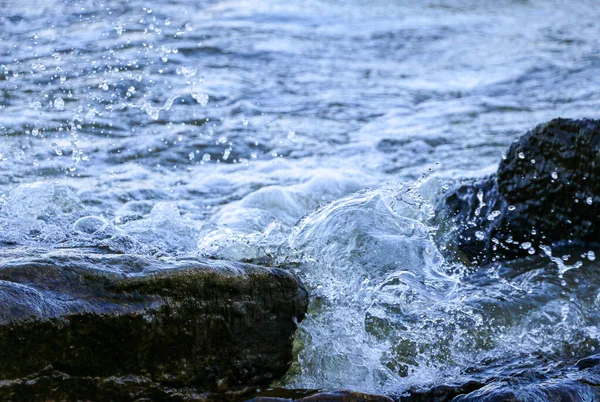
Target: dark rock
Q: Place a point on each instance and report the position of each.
(588, 362)
(345, 396)
(561, 383)
(209, 325)
(440, 393)
(546, 191)
(551, 390)
(325, 396)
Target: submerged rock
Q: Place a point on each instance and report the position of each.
(95, 318)
(546, 191)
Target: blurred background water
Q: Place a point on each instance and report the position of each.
(313, 135)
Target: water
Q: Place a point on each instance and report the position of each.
(314, 136)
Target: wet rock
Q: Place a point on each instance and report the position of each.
(440, 393)
(208, 325)
(546, 191)
(326, 396)
(345, 396)
(519, 390)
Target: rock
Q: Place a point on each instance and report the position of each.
(556, 382)
(91, 317)
(546, 191)
(524, 390)
(345, 396)
(325, 396)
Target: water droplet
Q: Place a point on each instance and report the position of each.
(191, 156)
(521, 155)
(493, 215)
(226, 154)
(511, 207)
(201, 98)
(245, 122)
(591, 255)
(103, 86)
(188, 71)
(531, 250)
(526, 245)
(56, 149)
(35, 132)
(554, 175)
(189, 27)
(206, 157)
(589, 200)
(479, 235)
(59, 104)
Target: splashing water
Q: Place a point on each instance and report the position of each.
(270, 133)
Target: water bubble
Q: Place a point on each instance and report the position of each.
(206, 157)
(35, 105)
(531, 250)
(554, 175)
(59, 104)
(511, 207)
(35, 132)
(191, 156)
(167, 22)
(479, 235)
(521, 155)
(245, 122)
(591, 255)
(88, 224)
(189, 27)
(589, 200)
(103, 86)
